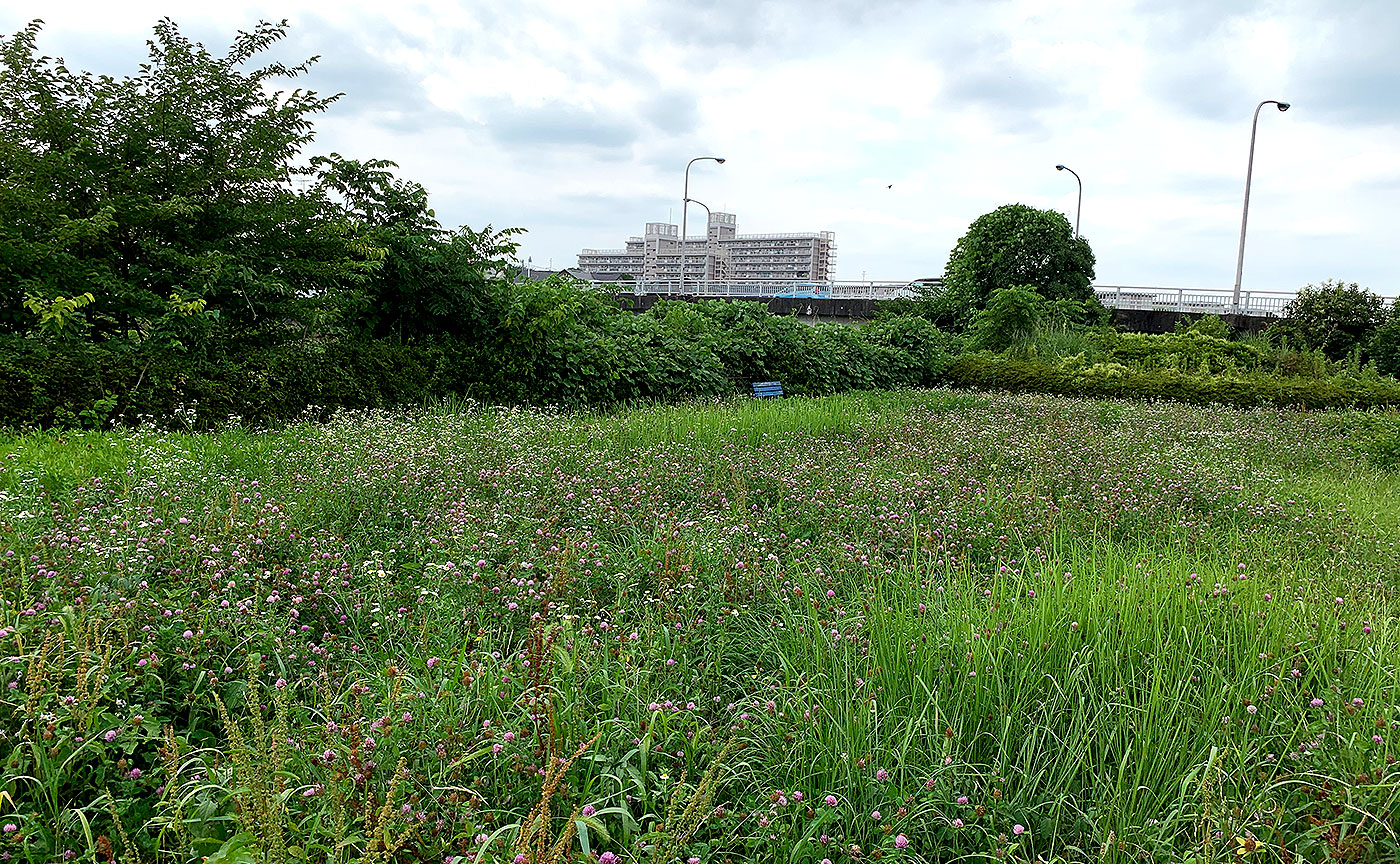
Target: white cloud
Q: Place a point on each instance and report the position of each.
(575, 119)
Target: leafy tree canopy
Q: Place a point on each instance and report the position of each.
(171, 195)
(1336, 318)
(1014, 246)
(431, 280)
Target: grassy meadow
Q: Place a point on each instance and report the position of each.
(915, 626)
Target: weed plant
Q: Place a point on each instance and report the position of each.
(909, 626)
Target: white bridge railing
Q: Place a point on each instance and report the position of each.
(1216, 301)
(1211, 301)
(769, 289)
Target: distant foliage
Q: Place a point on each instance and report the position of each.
(1336, 318)
(1207, 325)
(1115, 380)
(1385, 343)
(1014, 245)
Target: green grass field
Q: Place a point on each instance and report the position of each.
(912, 626)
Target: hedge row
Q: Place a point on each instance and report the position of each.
(675, 351)
(680, 350)
(1113, 380)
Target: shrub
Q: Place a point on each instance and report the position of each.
(1335, 318)
(1206, 325)
(1010, 317)
(1385, 344)
(1184, 351)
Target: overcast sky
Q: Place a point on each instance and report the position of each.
(575, 119)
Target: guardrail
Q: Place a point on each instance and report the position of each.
(1216, 301)
(1211, 301)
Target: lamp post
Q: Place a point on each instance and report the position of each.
(1248, 176)
(685, 199)
(708, 216)
(1078, 206)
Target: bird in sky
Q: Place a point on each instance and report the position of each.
(891, 186)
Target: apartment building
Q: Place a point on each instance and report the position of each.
(723, 255)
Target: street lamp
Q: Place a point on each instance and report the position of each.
(1244, 220)
(1080, 205)
(686, 199)
(708, 217)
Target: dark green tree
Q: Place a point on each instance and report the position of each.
(1336, 318)
(432, 281)
(1014, 246)
(168, 195)
(1385, 343)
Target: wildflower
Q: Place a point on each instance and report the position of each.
(875, 815)
(281, 684)
(962, 799)
(1252, 709)
(1316, 703)
(607, 858)
(830, 800)
(957, 823)
(1357, 702)
(11, 827)
(432, 661)
(134, 773)
(797, 796)
(882, 775)
(588, 810)
(110, 735)
(188, 634)
(1018, 829)
(901, 842)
